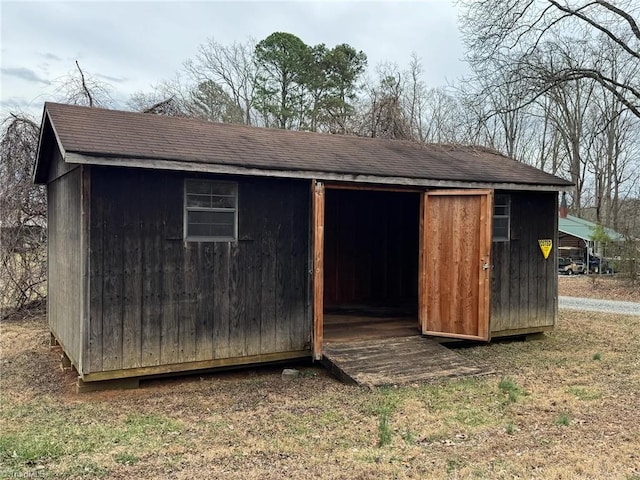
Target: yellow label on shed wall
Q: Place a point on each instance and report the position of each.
(546, 246)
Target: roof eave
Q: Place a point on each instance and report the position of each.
(588, 237)
(186, 166)
(39, 171)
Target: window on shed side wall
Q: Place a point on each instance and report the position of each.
(210, 211)
(501, 218)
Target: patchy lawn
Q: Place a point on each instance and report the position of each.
(562, 407)
(608, 287)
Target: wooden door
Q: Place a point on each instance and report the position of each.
(455, 251)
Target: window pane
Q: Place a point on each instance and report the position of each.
(199, 230)
(211, 224)
(210, 230)
(213, 218)
(223, 202)
(196, 200)
(207, 187)
(210, 201)
(500, 228)
(501, 217)
(225, 231)
(501, 200)
(198, 186)
(501, 210)
(224, 188)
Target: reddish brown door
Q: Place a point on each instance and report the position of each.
(455, 250)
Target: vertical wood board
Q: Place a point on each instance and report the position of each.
(318, 195)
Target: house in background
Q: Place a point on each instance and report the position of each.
(177, 245)
(576, 239)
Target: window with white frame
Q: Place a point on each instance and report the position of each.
(501, 217)
(210, 211)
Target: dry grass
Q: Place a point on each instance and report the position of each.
(552, 412)
(599, 286)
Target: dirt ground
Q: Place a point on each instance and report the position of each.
(599, 286)
(561, 407)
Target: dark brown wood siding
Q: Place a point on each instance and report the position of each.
(524, 285)
(157, 300)
(65, 279)
(371, 247)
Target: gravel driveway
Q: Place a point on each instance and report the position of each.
(596, 305)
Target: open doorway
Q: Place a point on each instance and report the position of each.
(371, 261)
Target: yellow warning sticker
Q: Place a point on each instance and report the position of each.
(545, 246)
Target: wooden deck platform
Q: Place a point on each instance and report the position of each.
(402, 360)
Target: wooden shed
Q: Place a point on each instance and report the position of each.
(177, 245)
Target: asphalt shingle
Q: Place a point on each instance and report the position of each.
(112, 133)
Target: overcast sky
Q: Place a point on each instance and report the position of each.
(133, 45)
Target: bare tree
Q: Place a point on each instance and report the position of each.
(155, 104)
(443, 117)
(611, 160)
(23, 205)
(549, 64)
(232, 68)
(209, 101)
(495, 28)
(181, 97)
(79, 88)
(383, 113)
(23, 211)
(569, 117)
(548, 155)
(169, 97)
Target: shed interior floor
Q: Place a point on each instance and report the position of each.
(345, 327)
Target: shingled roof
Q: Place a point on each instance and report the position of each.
(111, 137)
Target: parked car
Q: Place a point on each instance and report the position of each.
(579, 266)
(597, 265)
(568, 266)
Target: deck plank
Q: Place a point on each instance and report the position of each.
(397, 361)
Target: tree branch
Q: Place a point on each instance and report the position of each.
(598, 26)
(608, 83)
(84, 85)
(630, 20)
